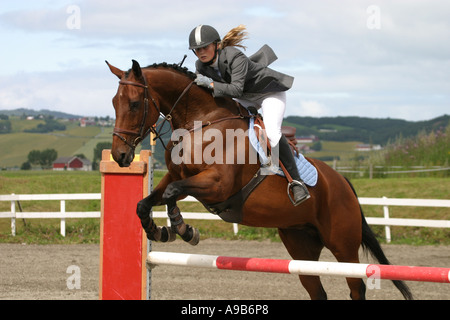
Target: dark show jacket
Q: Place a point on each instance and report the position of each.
(241, 75)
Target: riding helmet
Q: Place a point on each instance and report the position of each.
(202, 36)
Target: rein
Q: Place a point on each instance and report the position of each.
(141, 135)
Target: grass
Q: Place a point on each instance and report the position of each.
(15, 146)
(101, 135)
(415, 188)
(48, 230)
(87, 230)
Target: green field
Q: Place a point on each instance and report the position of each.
(74, 140)
(87, 230)
(334, 149)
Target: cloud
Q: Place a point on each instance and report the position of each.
(340, 65)
(135, 19)
(37, 20)
(82, 92)
(311, 108)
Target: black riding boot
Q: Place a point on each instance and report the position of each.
(298, 187)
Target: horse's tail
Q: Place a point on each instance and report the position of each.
(370, 243)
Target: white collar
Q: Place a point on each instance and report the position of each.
(215, 64)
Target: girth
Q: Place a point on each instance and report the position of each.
(230, 210)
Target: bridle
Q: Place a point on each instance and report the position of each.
(141, 135)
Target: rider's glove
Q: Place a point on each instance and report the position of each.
(204, 81)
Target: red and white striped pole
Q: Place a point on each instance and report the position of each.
(317, 268)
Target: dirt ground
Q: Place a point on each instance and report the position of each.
(41, 272)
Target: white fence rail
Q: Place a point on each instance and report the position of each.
(62, 214)
(13, 214)
(388, 221)
(387, 170)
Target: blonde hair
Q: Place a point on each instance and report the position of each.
(234, 37)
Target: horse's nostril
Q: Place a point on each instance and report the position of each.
(122, 160)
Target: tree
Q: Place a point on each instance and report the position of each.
(26, 166)
(34, 157)
(47, 157)
(49, 126)
(5, 126)
(98, 153)
(317, 146)
(43, 158)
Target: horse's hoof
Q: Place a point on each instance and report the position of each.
(195, 237)
(167, 234)
(172, 235)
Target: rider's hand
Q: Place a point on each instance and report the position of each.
(204, 81)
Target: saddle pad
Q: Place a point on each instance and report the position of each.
(308, 173)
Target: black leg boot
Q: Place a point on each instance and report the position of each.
(297, 186)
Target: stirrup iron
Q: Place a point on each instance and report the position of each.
(302, 185)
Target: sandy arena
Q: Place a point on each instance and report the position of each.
(40, 272)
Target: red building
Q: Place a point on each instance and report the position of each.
(72, 163)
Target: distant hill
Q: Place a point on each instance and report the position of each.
(367, 130)
(338, 131)
(73, 140)
(44, 112)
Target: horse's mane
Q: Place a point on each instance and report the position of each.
(174, 66)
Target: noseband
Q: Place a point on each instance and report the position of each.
(140, 135)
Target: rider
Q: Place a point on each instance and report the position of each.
(225, 70)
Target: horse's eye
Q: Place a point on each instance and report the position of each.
(134, 105)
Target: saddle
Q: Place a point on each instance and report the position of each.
(289, 133)
(230, 210)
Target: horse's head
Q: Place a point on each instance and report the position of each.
(136, 112)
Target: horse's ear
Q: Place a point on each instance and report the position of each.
(119, 73)
(137, 69)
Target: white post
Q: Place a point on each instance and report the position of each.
(235, 228)
(150, 189)
(63, 220)
(387, 227)
(13, 218)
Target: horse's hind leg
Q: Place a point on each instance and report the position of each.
(345, 247)
(356, 285)
(305, 244)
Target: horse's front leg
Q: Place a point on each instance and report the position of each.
(204, 184)
(155, 233)
(188, 233)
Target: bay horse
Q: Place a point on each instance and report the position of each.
(331, 218)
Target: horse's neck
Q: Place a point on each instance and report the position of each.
(196, 104)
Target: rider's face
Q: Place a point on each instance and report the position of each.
(206, 54)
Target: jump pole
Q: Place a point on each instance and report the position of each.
(317, 268)
(123, 244)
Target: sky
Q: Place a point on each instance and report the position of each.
(367, 58)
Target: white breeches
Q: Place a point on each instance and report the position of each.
(272, 107)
